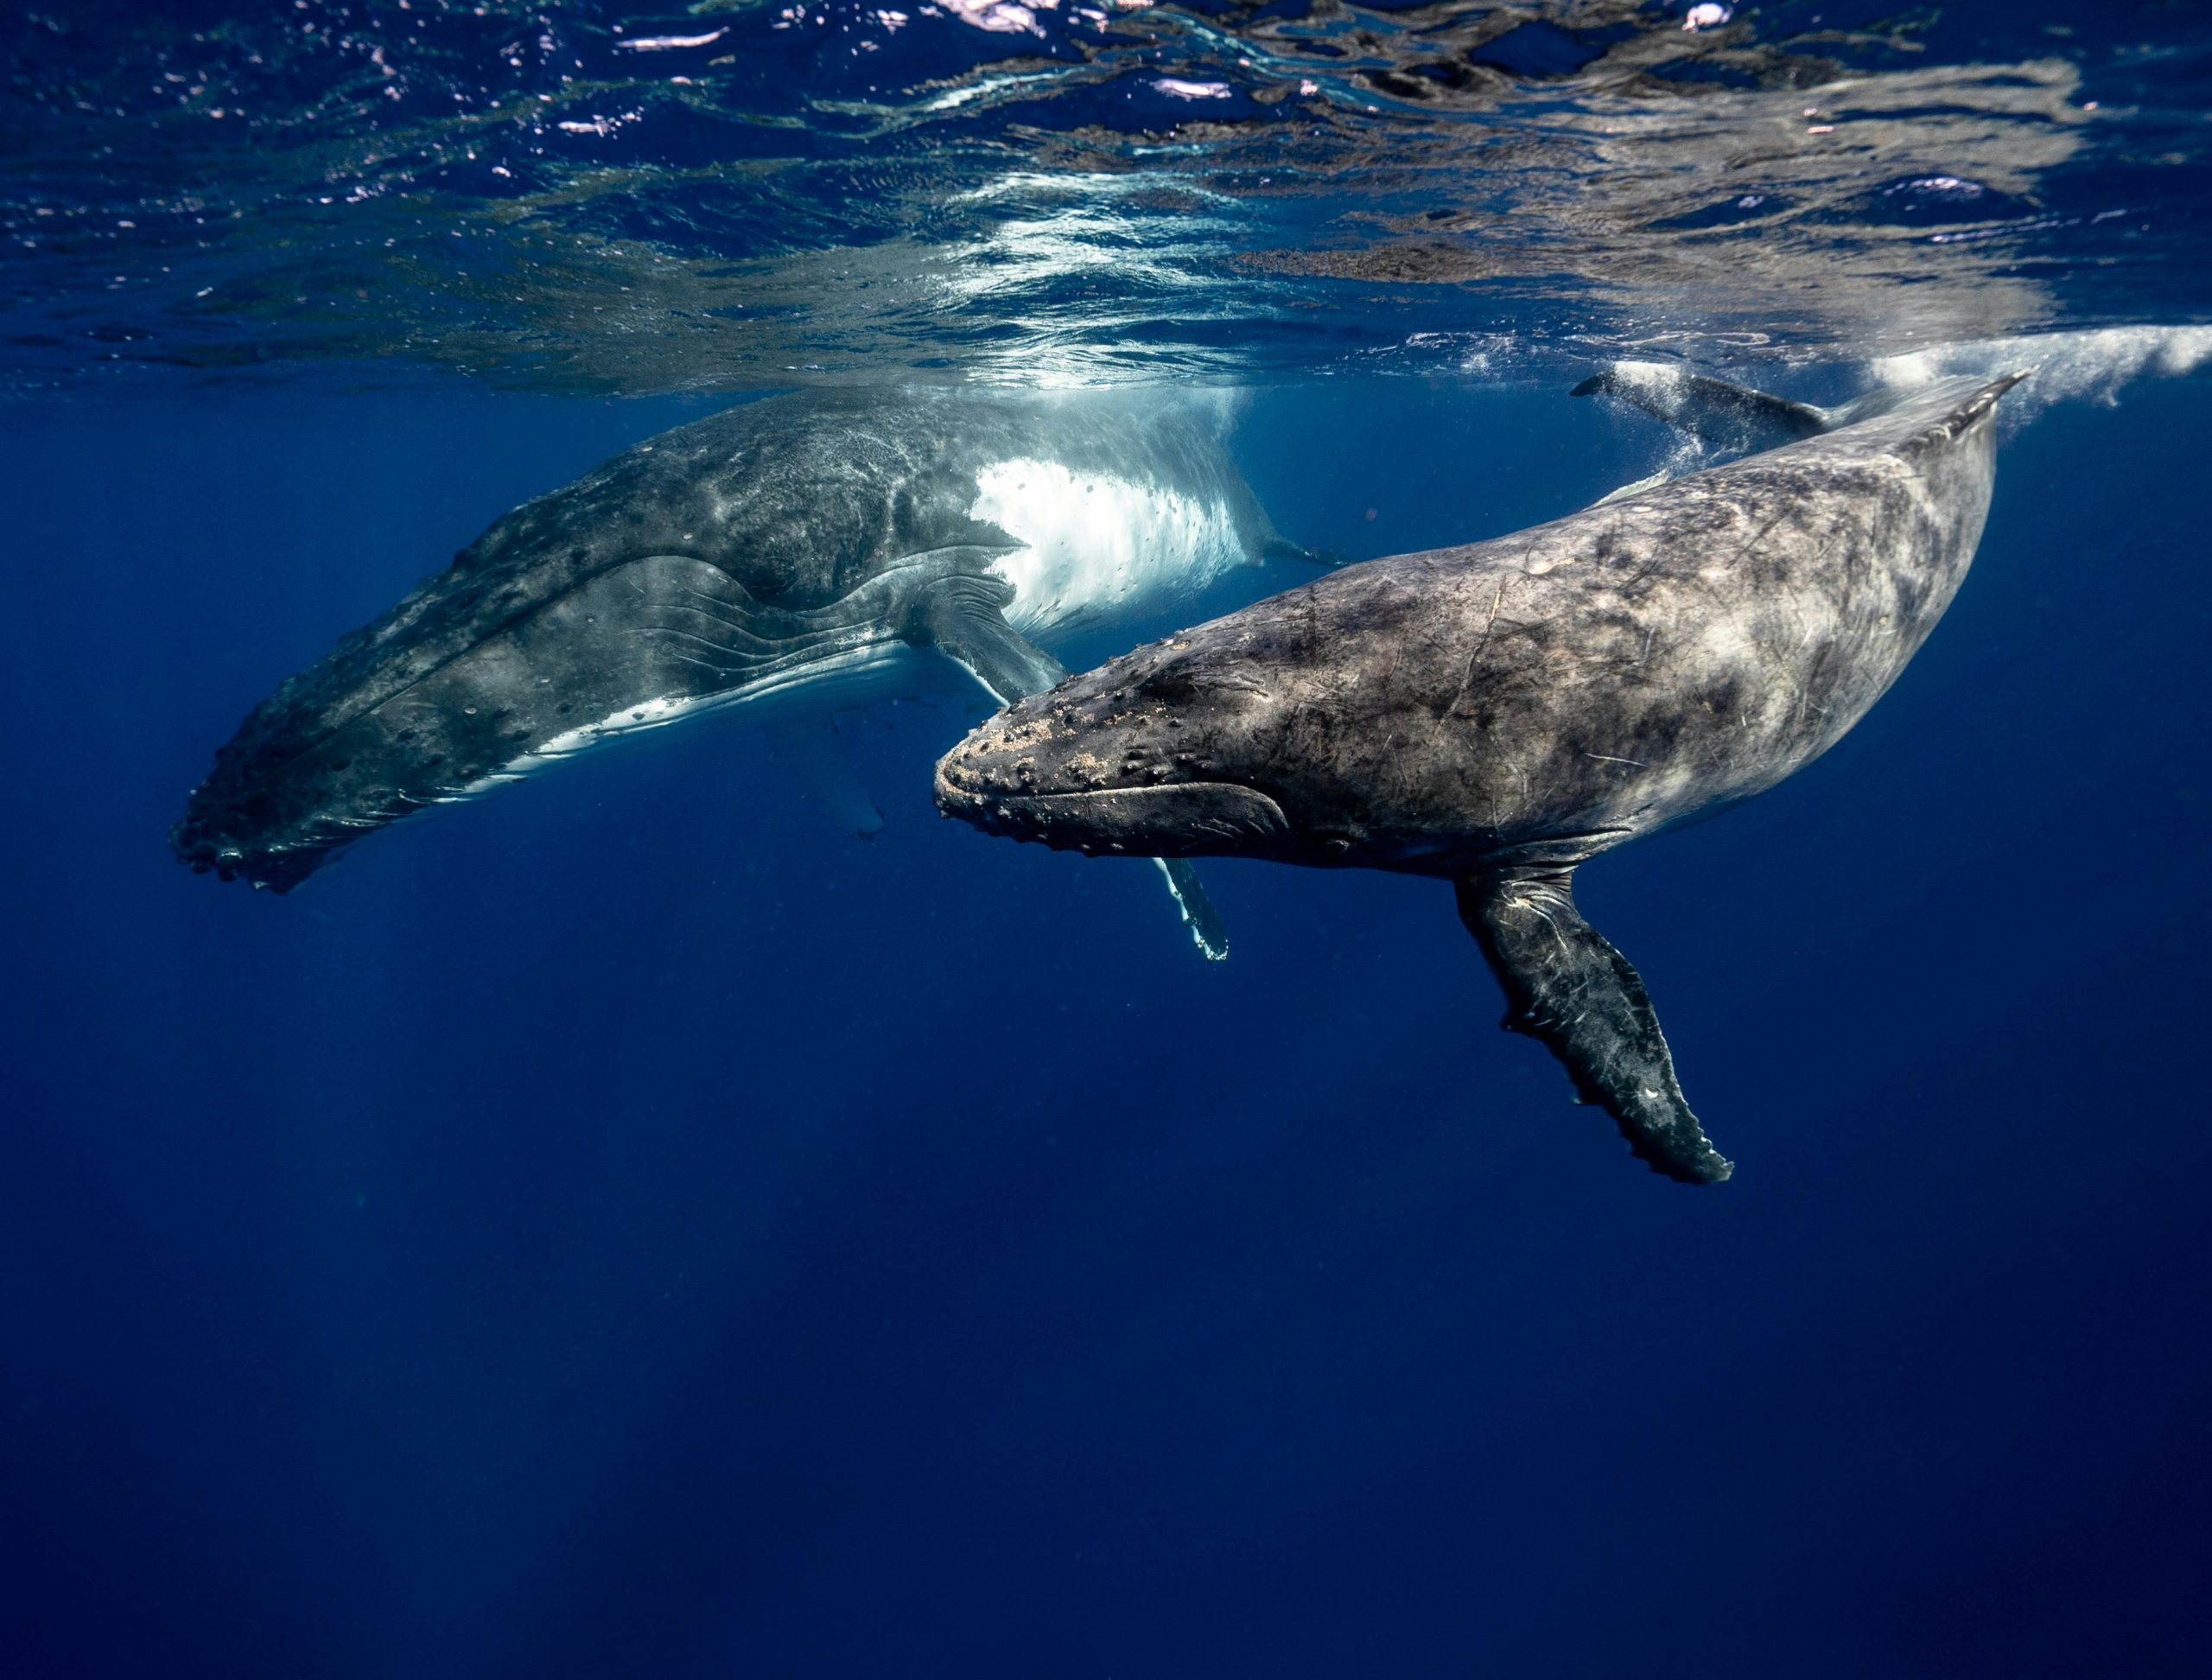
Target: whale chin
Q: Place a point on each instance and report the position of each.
(267, 868)
(1173, 819)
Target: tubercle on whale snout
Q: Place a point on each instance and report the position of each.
(994, 810)
(1172, 818)
(273, 870)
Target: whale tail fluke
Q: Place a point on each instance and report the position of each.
(1567, 986)
(1718, 415)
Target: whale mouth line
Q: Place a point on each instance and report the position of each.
(1170, 819)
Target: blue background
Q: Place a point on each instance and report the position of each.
(622, 1227)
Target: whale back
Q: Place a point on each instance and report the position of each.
(1554, 692)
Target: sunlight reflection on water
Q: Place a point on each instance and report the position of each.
(745, 194)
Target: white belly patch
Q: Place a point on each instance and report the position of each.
(1098, 546)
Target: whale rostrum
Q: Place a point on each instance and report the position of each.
(1498, 714)
(792, 557)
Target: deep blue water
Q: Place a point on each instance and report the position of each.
(622, 1228)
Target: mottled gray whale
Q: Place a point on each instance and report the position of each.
(791, 555)
(1498, 714)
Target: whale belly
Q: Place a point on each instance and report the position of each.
(1097, 546)
(847, 681)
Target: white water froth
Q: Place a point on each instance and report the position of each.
(1096, 545)
(2091, 365)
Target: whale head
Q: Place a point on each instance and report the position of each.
(456, 692)
(1279, 733)
(1162, 753)
(359, 741)
(248, 825)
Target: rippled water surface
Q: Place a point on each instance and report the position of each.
(735, 193)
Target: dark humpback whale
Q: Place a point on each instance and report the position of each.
(791, 555)
(1498, 714)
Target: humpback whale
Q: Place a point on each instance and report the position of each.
(792, 556)
(1498, 714)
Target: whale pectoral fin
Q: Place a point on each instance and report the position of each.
(1725, 415)
(1566, 985)
(964, 619)
(1207, 931)
(808, 748)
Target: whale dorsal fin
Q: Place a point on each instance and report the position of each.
(1566, 985)
(1717, 414)
(1281, 548)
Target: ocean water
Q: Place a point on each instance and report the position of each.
(625, 1227)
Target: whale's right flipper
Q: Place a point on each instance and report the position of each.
(1716, 413)
(1566, 985)
(964, 619)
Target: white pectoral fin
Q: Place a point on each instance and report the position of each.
(807, 745)
(964, 619)
(1204, 921)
